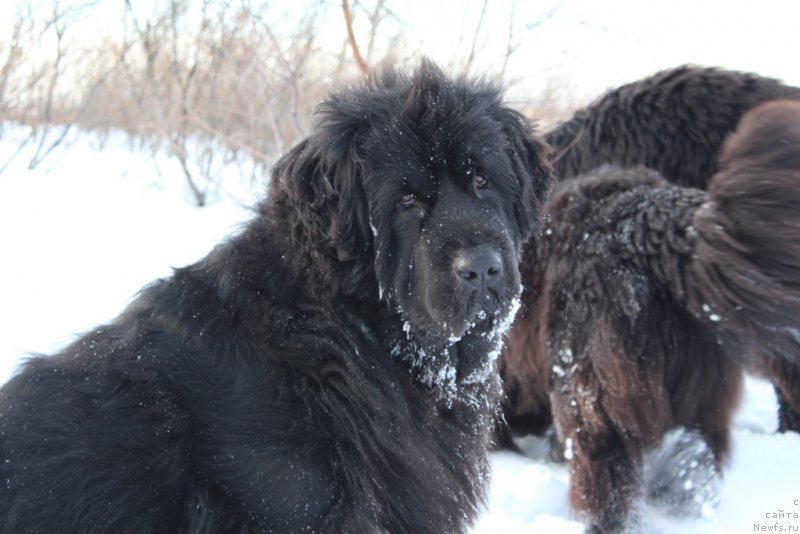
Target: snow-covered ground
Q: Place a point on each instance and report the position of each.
(82, 233)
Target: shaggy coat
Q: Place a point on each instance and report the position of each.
(650, 298)
(330, 368)
(673, 122)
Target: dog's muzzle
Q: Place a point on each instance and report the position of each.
(480, 272)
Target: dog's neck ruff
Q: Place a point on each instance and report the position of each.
(460, 369)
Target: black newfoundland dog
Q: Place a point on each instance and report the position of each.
(646, 299)
(674, 123)
(328, 369)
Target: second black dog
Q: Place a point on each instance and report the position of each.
(651, 297)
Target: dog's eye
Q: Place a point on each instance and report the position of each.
(481, 182)
(409, 200)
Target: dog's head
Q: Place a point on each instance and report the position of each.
(417, 190)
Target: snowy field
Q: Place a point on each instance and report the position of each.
(82, 233)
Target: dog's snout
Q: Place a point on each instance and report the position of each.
(480, 267)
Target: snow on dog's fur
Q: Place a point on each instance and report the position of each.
(652, 297)
(673, 122)
(328, 369)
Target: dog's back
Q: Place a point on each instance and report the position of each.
(674, 122)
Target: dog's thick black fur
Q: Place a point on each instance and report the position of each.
(651, 297)
(328, 369)
(674, 122)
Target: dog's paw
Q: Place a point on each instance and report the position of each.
(680, 477)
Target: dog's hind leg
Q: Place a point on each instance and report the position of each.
(745, 269)
(785, 377)
(788, 414)
(705, 384)
(609, 399)
(605, 480)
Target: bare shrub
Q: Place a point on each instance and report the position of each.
(212, 83)
(34, 77)
(208, 81)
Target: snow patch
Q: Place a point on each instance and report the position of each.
(43, 308)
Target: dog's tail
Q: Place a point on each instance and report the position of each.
(741, 273)
(745, 262)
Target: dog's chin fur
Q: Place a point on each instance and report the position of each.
(323, 369)
(480, 316)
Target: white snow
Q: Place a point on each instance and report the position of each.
(82, 234)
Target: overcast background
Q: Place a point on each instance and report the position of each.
(105, 161)
(586, 46)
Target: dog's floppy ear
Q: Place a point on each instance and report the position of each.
(320, 184)
(530, 159)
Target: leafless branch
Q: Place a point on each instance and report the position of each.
(351, 38)
(510, 46)
(471, 58)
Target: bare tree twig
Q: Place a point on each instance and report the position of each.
(348, 20)
(510, 47)
(375, 19)
(471, 57)
(547, 16)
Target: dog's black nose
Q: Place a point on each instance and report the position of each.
(479, 267)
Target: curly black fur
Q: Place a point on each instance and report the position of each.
(674, 122)
(328, 369)
(651, 298)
